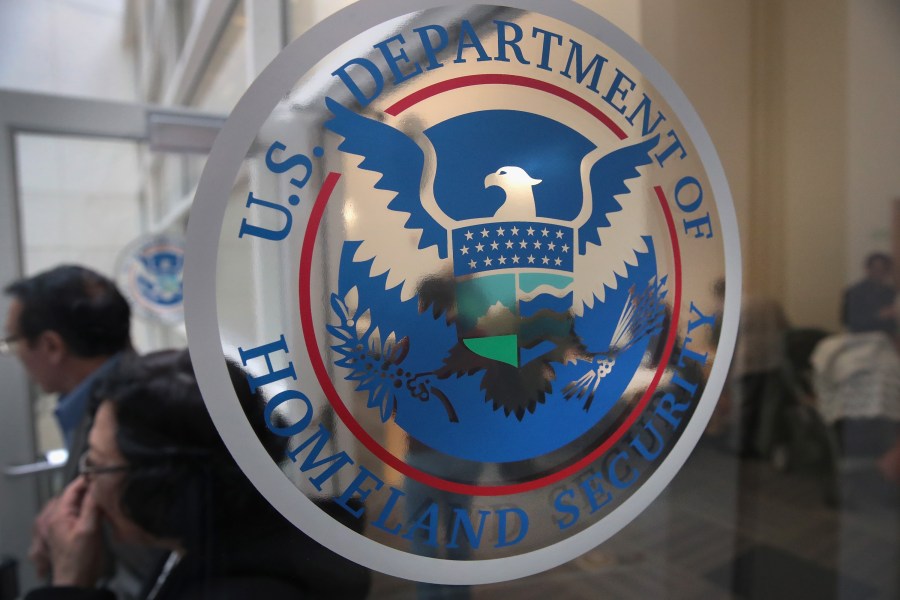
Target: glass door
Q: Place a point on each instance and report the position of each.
(80, 193)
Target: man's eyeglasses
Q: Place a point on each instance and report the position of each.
(9, 343)
(86, 468)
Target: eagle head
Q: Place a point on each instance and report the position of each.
(510, 179)
(517, 184)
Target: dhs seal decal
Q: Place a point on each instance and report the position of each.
(467, 263)
(149, 271)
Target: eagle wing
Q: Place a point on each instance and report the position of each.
(385, 189)
(602, 256)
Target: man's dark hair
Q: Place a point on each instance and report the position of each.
(878, 257)
(82, 306)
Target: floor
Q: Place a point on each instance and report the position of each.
(725, 528)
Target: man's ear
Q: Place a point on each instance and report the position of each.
(53, 346)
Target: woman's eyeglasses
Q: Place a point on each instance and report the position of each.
(86, 468)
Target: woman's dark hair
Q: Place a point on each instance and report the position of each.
(82, 306)
(184, 483)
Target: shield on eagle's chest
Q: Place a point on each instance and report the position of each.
(513, 287)
(513, 278)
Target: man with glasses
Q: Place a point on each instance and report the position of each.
(67, 326)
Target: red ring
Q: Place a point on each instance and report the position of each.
(306, 322)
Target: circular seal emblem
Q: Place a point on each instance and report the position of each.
(149, 272)
(471, 265)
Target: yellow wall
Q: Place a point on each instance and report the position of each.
(874, 127)
(802, 100)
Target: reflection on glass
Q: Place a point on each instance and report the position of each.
(303, 14)
(224, 81)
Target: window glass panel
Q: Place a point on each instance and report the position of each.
(78, 48)
(81, 201)
(225, 78)
(778, 499)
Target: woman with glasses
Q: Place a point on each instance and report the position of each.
(157, 472)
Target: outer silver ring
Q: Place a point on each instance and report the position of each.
(201, 316)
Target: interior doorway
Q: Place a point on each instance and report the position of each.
(80, 179)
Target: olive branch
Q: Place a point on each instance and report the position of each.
(377, 365)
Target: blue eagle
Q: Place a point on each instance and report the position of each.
(507, 224)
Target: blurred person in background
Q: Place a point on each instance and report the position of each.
(758, 370)
(68, 326)
(857, 380)
(869, 304)
(157, 471)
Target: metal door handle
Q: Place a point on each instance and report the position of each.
(56, 460)
(31, 469)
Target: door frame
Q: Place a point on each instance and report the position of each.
(164, 129)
